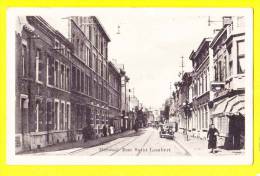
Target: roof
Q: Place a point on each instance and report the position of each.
(217, 37)
(47, 26)
(110, 64)
(203, 43)
(101, 27)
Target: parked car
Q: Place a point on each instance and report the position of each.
(167, 130)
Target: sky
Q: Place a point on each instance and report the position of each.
(150, 45)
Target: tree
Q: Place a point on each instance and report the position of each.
(166, 112)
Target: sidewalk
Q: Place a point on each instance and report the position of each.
(73, 146)
(199, 147)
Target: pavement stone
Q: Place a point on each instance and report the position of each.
(79, 144)
(199, 147)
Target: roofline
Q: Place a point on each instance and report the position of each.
(101, 27)
(216, 38)
(52, 29)
(202, 44)
(114, 67)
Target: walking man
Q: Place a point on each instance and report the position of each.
(212, 138)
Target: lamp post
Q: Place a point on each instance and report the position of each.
(187, 109)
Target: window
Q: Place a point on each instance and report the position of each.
(62, 116)
(50, 70)
(96, 40)
(90, 88)
(62, 77)
(68, 53)
(206, 80)
(241, 57)
(74, 78)
(96, 65)
(94, 89)
(220, 71)
(102, 48)
(56, 74)
(37, 114)
(94, 62)
(62, 49)
(206, 116)
(78, 80)
(104, 71)
(50, 119)
(100, 70)
(87, 56)
(89, 32)
(24, 101)
(24, 56)
(90, 60)
(79, 117)
(68, 79)
(86, 84)
(56, 115)
(82, 81)
(39, 66)
(81, 54)
(77, 47)
(57, 44)
(202, 83)
(216, 73)
(67, 121)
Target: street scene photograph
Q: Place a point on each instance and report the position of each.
(130, 82)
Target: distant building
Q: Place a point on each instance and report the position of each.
(114, 96)
(125, 100)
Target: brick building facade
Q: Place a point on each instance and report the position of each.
(62, 84)
(42, 85)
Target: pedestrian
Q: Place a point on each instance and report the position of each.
(85, 133)
(111, 130)
(104, 130)
(212, 138)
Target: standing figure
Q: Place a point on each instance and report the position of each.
(85, 134)
(212, 138)
(104, 130)
(111, 130)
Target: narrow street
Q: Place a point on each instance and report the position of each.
(146, 142)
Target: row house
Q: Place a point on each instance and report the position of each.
(180, 99)
(217, 90)
(62, 85)
(126, 120)
(114, 97)
(200, 89)
(42, 85)
(89, 73)
(228, 85)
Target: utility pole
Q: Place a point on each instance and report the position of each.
(182, 66)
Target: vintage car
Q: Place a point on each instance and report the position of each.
(167, 130)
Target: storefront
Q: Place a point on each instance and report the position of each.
(229, 118)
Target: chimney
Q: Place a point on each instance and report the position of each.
(227, 20)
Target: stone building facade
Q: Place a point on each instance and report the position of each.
(200, 89)
(228, 111)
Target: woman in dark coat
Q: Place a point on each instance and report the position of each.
(212, 138)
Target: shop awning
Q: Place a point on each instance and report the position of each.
(230, 106)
